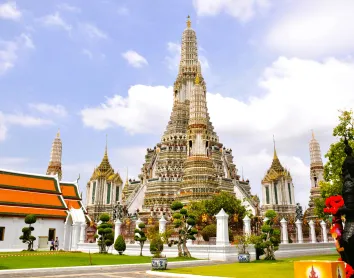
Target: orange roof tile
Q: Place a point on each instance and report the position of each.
(28, 182)
(69, 191)
(73, 204)
(39, 212)
(31, 199)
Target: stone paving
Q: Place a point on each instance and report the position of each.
(96, 271)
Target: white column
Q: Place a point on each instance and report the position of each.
(117, 225)
(324, 231)
(284, 233)
(222, 228)
(65, 238)
(162, 225)
(75, 235)
(312, 231)
(137, 223)
(82, 232)
(247, 225)
(300, 237)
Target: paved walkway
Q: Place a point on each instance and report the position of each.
(121, 271)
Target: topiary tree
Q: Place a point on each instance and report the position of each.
(120, 245)
(27, 231)
(185, 223)
(140, 236)
(269, 240)
(208, 232)
(105, 233)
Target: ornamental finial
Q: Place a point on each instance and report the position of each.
(58, 133)
(313, 134)
(197, 80)
(188, 21)
(275, 151)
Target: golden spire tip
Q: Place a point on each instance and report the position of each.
(313, 134)
(58, 133)
(197, 80)
(188, 21)
(275, 151)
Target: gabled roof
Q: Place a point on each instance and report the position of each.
(23, 193)
(70, 191)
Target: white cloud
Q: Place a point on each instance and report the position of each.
(10, 50)
(134, 59)
(9, 11)
(69, 8)
(123, 11)
(49, 109)
(299, 95)
(173, 59)
(55, 20)
(314, 28)
(87, 53)
(92, 31)
(243, 10)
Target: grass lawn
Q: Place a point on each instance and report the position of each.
(61, 259)
(265, 269)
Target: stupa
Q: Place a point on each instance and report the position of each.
(189, 163)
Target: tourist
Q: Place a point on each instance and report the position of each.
(56, 244)
(52, 248)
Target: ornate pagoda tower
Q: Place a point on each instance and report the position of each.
(316, 174)
(278, 190)
(54, 167)
(189, 163)
(104, 189)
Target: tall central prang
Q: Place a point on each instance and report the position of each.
(189, 163)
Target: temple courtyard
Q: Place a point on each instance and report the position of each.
(65, 264)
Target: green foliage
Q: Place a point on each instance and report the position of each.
(226, 201)
(269, 239)
(27, 236)
(105, 234)
(208, 232)
(30, 219)
(335, 155)
(242, 242)
(184, 222)
(140, 236)
(120, 245)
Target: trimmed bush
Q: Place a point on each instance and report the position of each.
(208, 232)
(120, 245)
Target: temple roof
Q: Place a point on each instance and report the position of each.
(276, 170)
(105, 170)
(22, 194)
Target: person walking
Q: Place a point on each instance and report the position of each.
(52, 248)
(56, 244)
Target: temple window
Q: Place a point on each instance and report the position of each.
(109, 187)
(117, 193)
(2, 233)
(315, 180)
(289, 189)
(267, 194)
(51, 234)
(276, 193)
(93, 192)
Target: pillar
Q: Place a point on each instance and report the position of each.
(162, 225)
(137, 223)
(312, 231)
(117, 225)
(75, 235)
(247, 225)
(300, 237)
(324, 231)
(82, 232)
(222, 228)
(284, 231)
(65, 237)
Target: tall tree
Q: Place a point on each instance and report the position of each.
(332, 184)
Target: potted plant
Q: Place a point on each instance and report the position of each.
(242, 242)
(120, 245)
(158, 262)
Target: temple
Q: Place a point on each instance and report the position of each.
(54, 167)
(316, 175)
(189, 163)
(278, 190)
(104, 189)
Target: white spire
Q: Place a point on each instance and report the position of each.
(54, 167)
(315, 152)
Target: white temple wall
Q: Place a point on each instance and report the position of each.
(13, 230)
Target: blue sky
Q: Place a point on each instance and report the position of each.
(93, 68)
